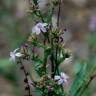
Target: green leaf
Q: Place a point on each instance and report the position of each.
(79, 80)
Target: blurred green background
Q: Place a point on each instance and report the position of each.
(78, 16)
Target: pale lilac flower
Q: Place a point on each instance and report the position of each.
(62, 78)
(15, 54)
(92, 24)
(39, 27)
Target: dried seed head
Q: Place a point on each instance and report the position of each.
(27, 88)
(25, 80)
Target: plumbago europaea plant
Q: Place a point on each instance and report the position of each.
(44, 36)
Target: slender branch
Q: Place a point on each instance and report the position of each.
(26, 74)
(58, 18)
(26, 78)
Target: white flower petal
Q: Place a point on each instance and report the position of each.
(39, 24)
(39, 27)
(12, 57)
(33, 30)
(60, 81)
(18, 54)
(36, 30)
(42, 24)
(43, 29)
(11, 54)
(15, 50)
(63, 75)
(62, 78)
(57, 77)
(65, 80)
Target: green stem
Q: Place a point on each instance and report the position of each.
(52, 65)
(56, 61)
(58, 19)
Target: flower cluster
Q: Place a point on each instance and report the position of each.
(46, 51)
(53, 52)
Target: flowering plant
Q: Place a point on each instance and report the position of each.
(47, 63)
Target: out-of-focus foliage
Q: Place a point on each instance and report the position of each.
(12, 34)
(84, 70)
